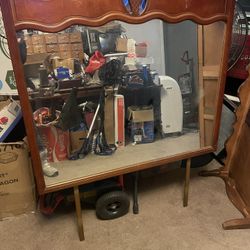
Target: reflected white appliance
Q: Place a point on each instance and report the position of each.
(171, 106)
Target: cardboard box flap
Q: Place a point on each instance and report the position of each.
(140, 114)
(18, 144)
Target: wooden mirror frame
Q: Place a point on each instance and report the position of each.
(50, 16)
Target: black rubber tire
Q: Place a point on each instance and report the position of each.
(112, 205)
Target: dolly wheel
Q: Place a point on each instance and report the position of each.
(112, 205)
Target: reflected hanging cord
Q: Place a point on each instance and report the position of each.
(3, 39)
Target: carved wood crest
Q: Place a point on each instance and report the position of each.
(135, 7)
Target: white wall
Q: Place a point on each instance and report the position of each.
(152, 33)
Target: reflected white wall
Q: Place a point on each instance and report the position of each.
(152, 33)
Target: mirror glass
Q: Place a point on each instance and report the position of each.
(113, 97)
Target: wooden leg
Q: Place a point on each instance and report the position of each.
(218, 172)
(243, 223)
(78, 213)
(187, 180)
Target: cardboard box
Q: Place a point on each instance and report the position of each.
(39, 49)
(64, 47)
(75, 37)
(142, 123)
(65, 54)
(76, 139)
(17, 188)
(121, 45)
(77, 54)
(30, 50)
(10, 114)
(28, 40)
(63, 38)
(51, 48)
(50, 38)
(38, 39)
(77, 46)
(36, 58)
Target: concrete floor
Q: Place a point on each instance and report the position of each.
(162, 223)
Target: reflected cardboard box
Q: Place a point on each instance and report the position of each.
(142, 123)
(77, 139)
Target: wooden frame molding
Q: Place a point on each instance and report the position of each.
(56, 15)
(54, 18)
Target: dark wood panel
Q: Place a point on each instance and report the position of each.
(54, 15)
(240, 165)
(248, 118)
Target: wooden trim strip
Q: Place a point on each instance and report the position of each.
(19, 25)
(129, 169)
(22, 90)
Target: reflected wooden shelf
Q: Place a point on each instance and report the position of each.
(92, 90)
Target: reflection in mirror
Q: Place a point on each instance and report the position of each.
(182, 64)
(134, 93)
